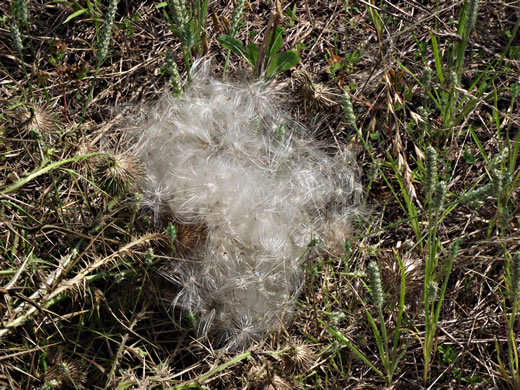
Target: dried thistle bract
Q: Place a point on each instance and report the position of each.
(65, 374)
(37, 121)
(118, 173)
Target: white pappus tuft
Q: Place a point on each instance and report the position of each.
(226, 157)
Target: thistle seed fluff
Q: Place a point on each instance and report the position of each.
(225, 156)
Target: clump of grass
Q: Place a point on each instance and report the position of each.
(390, 351)
(102, 49)
(435, 279)
(510, 372)
(187, 20)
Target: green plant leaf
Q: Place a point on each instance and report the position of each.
(354, 349)
(75, 15)
(252, 54)
(283, 61)
(232, 44)
(277, 42)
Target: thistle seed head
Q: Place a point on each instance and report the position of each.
(119, 173)
(37, 121)
(65, 374)
(299, 357)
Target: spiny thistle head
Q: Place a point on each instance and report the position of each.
(118, 173)
(106, 30)
(189, 237)
(431, 170)
(316, 95)
(65, 374)
(298, 358)
(376, 285)
(37, 121)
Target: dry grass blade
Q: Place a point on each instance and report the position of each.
(76, 281)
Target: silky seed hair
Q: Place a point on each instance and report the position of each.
(225, 156)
